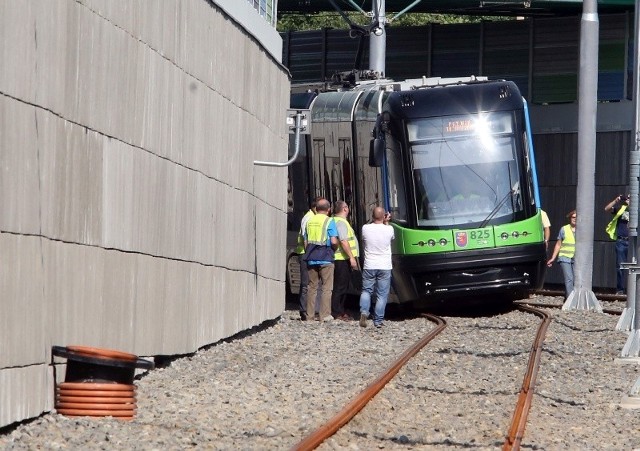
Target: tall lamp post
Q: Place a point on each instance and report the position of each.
(630, 315)
(582, 296)
(378, 38)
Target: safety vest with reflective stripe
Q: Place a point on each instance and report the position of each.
(317, 234)
(305, 219)
(317, 229)
(351, 238)
(568, 246)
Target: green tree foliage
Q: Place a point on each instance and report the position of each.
(304, 22)
(301, 22)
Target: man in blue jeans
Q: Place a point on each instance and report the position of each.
(376, 272)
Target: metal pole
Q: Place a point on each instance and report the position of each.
(631, 314)
(582, 296)
(378, 38)
(626, 321)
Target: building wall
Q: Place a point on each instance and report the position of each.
(131, 214)
(555, 136)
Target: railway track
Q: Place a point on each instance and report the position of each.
(521, 412)
(346, 422)
(271, 388)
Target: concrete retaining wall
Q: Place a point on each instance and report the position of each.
(131, 214)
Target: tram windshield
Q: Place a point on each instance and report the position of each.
(465, 169)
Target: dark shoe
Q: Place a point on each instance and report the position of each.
(317, 317)
(363, 320)
(303, 316)
(345, 317)
(378, 325)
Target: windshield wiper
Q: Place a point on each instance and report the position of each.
(515, 190)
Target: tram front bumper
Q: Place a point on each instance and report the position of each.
(458, 274)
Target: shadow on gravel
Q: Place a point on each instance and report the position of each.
(462, 307)
(164, 361)
(470, 306)
(477, 308)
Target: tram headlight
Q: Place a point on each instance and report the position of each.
(431, 242)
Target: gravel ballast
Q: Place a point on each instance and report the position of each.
(269, 388)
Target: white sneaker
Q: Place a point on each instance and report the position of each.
(328, 318)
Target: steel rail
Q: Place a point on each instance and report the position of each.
(543, 305)
(313, 440)
(601, 296)
(519, 420)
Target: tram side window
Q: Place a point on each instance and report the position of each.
(527, 150)
(397, 197)
(321, 178)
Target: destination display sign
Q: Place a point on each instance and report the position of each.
(460, 126)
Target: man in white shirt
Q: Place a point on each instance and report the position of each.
(376, 273)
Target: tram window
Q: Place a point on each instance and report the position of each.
(459, 195)
(528, 168)
(462, 172)
(397, 198)
(462, 151)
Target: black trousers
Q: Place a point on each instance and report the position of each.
(304, 285)
(341, 277)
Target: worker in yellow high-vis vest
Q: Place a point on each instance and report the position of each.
(346, 260)
(618, 230)
(304, 273)
(565, 250)
(320, 243)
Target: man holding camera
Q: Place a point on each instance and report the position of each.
(376, 273)
(618, 229)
